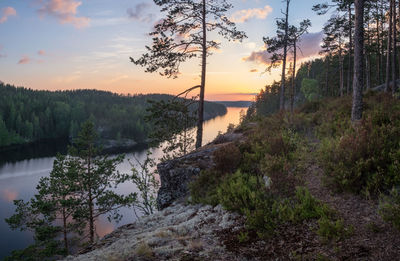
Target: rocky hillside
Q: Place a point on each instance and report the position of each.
(307, 186)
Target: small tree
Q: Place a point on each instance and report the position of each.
(183, 35)
(56, 202)
(294, 36)
(97, 177)
(143, 176)
(173, 120)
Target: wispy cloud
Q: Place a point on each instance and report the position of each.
(25, 60)
(253, 70)
(41, 53)
(65, 11)
(242, 16)
(138, 13)
(6, 12)
(309, 46)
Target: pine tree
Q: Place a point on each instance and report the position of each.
(183, 35)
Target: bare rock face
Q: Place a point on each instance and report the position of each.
(176, 174)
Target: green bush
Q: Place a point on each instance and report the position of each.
(241, 191)
(204, 188)
(390, 208)
(365, 159)
(333, 230)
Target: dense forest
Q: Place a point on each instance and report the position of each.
(29, 115)
(332, 74)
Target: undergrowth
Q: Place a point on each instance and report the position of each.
(260, 179)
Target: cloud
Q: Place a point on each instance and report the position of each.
(25, 60)
(65, 11)
(41, 53)
(253, 70)
(138, 13)
(242, 16)
(9, 195)
(7, 12)
(310, 46)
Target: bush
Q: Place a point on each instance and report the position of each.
(204, 188)
(365, 159)
(227, 158)
(333, 230)
(390, 208)
(241, 191)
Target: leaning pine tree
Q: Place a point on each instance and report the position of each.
(183, 34)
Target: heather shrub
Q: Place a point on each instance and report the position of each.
(204, 188)
(390, 208)
(227, 158)
(364, 159)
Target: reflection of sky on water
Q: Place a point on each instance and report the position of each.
(18, 181)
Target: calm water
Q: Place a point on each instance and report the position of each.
(21, 171)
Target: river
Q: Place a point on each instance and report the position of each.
(20, 171)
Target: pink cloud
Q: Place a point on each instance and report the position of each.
(310, 45)
(24, 60)
(242, 16)
(65, 11)
(41, 53)
(9, 195)
(7, 12)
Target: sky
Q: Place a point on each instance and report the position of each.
(86, 44)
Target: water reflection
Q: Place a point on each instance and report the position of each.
(19, 177)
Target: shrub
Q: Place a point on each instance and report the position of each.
(227, 158)
(333, 230)
(241, 191)
(365, 159)
(204, 188)
(390, 208)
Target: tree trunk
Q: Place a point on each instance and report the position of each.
(65, 231)
(341, 70)
(200, 119)
(90, 199)
(350, 48)
(378, 46)
(389, 48)
(282, 91)
(368, 58)
(394, 53)
(357, 108)
(293, 75)
(327, 61)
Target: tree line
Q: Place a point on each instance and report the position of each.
(29, 115)
(358, 53)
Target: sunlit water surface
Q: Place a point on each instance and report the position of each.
(18, 179)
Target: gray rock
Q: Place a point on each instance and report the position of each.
(176, 175)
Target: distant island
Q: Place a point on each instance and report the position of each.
(28, 115)
(238, 104)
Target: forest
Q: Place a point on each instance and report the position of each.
(332, 74)
(29, 115)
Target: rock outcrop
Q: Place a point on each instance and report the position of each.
(179, 232)
(176, 174)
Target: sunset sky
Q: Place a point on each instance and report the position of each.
(86, 44)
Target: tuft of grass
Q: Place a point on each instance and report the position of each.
(196, 245)
(143, 250)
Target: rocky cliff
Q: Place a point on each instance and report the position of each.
(176, 174)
